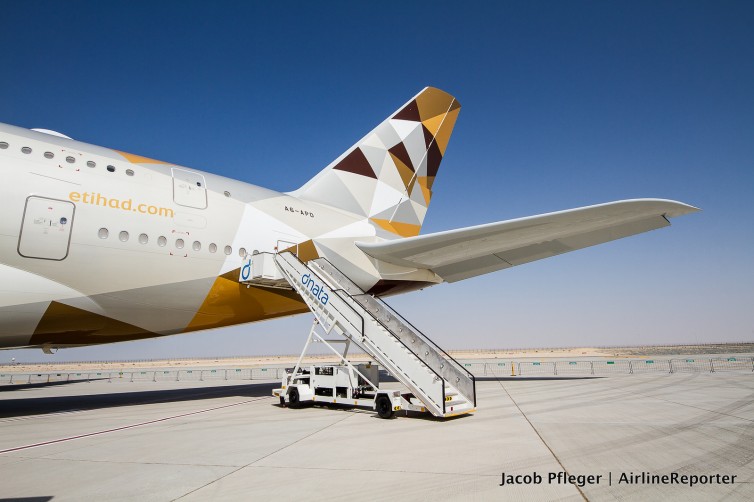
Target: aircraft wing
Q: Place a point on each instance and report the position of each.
(467, 252)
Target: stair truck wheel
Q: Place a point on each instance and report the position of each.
(293, 398)
(384, 407)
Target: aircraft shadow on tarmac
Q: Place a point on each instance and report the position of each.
(57, 404)
(36, 385)
(27, 499)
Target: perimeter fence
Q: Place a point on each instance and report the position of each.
(150, 375)
(601, 367)
(606, 367)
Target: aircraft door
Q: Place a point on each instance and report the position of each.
(46, 228)
(189, 189)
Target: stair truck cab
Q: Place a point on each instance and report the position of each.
(343, 384)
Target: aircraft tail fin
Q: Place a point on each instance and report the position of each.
(387, 176)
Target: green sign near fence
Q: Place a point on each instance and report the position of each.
(572, 362)
(731, 359)
(535, 364)
(611, 362)
(649, 362)
(689, 360)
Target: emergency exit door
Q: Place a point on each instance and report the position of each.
(46, 228)
(189, 189)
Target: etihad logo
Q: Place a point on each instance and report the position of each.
(97, 199)
(317, 290)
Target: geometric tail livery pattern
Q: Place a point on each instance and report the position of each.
(387, 176)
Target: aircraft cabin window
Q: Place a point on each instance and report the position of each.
(111, 169)
(129, 172)
(242, 252)
(228, 249)
(26, 150)
(70, 160)
(3, 145)
(212, 247)
(179, 243)
(227, 193)
(123, 236)
(161, 241)
(143, 238)
(197, 246)
(49, 155)
(91, 164)
(103, 233)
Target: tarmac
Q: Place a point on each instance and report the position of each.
(225, 440)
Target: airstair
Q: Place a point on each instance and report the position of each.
(436, 381)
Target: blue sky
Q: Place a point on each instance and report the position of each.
(564, 104)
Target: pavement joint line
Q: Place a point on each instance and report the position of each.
(125, 427)
(343, 469)
(123, 462)
(251, 464)
(539, 436)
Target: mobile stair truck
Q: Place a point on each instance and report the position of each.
(344, 314)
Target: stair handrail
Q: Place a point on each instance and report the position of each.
(282, 256)
(428, 340)
(414, 328)
(406, 321)
(338, 291)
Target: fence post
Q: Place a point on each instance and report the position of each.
(670, 365)
(201, 375)
(519, 368)
(630, 368)
(226, 374)
(11, 378)
(711, 366)
(591, 363)
(555, 368)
